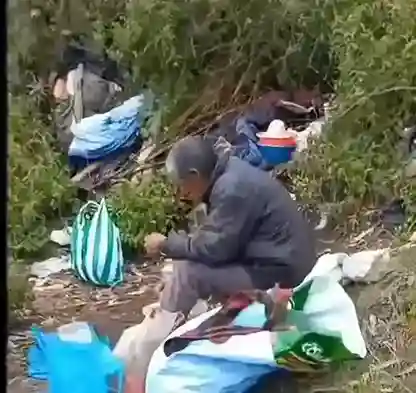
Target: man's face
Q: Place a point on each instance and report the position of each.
(192, 189)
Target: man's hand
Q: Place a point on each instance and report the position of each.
(153, 243)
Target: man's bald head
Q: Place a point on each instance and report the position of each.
(192, 155)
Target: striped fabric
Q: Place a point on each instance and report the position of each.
(96, 254)
(220, 327)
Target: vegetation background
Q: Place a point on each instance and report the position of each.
(202, 57)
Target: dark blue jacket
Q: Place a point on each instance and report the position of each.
(252, 221)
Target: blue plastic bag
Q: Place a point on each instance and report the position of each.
(99, 135)
(74, 367)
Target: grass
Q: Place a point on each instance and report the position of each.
(139, 211)
(385, 312)
(39, 188)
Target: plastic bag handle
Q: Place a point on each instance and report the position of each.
(81, 213)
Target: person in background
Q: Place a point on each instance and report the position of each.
(253, 237)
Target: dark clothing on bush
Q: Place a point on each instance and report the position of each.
(253, 222)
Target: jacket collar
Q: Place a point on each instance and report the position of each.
(219, 169)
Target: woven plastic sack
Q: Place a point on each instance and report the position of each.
(325, 332)
(207, 367)
(96, 253)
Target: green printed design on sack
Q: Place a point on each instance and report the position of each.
(325, 328)
(300, 297)
(314, 351)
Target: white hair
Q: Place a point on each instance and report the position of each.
(190, 154)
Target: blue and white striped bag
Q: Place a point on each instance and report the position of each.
(96, 253)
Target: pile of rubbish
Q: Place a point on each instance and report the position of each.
(320, 330)
(102, 132)
(97, 124)
(105, 132)
(109, 134)
(269, 131)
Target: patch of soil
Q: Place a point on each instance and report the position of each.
(61, 298)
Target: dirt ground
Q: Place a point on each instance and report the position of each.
(383, 308)
(61, 298)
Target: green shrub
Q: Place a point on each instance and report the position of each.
(38, 186)
(359, 162)
(140, 210)
(202, 55)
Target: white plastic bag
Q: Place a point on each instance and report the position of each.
(326, 328)
(207, 367)
(363, 266)
(326, 331)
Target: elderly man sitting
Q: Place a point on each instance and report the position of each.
(252, 238)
